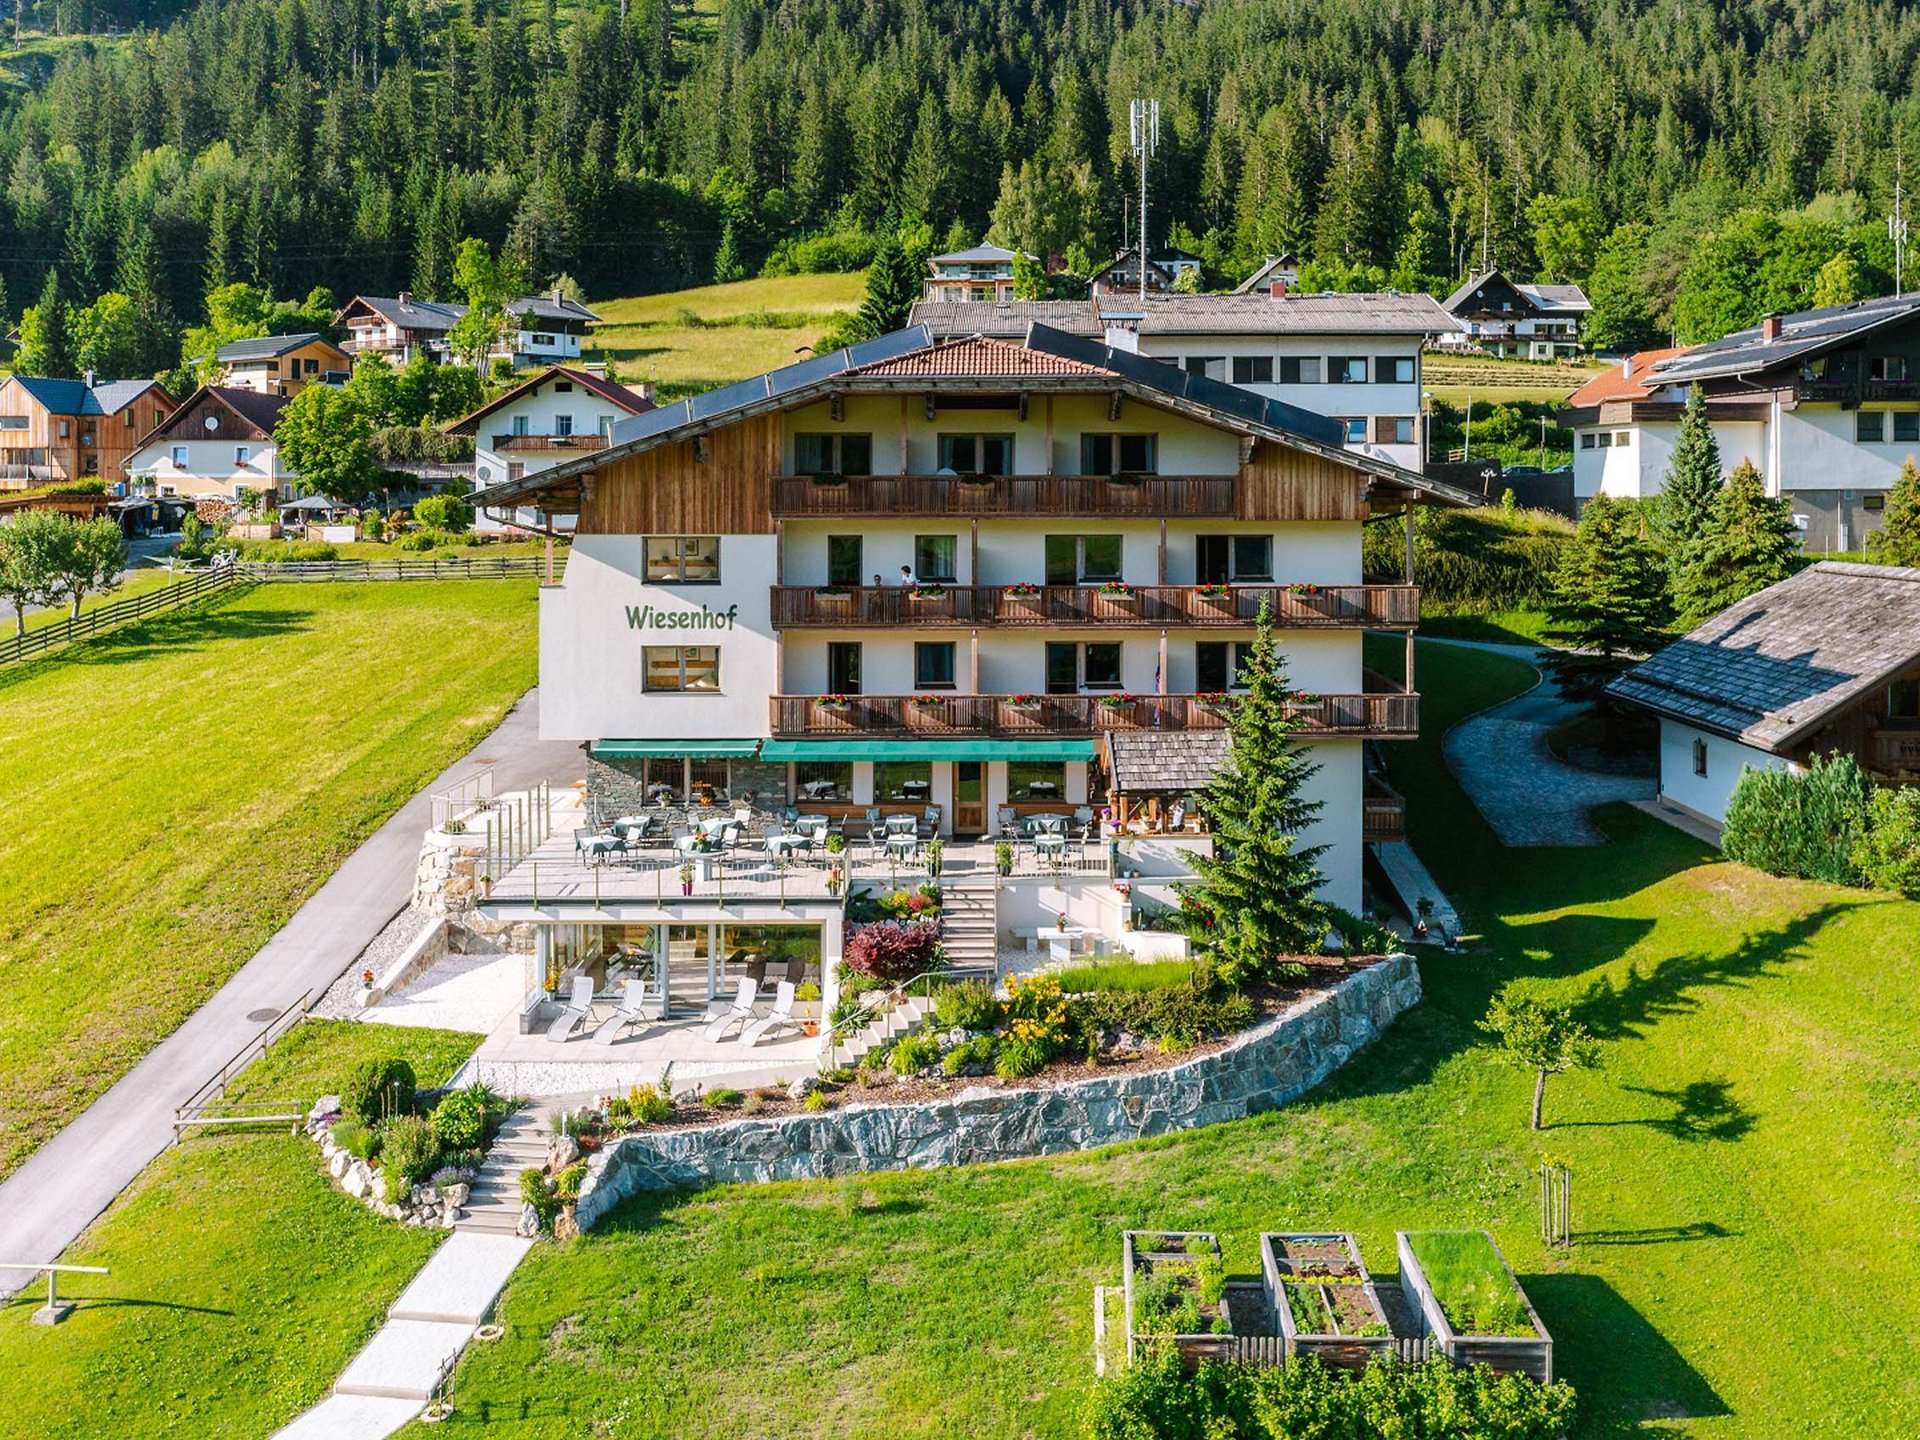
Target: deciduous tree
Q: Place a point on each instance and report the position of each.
(1897, 541)
(1545, 1039)
(323, 437)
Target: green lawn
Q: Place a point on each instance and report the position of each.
(242, 1281)
(173, 791)
(1743, 1168)
(1504, 627)
(138, 583)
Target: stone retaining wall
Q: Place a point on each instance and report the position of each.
(1268, 1066)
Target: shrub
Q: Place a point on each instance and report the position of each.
(722, 1097)
(977, 1051)
(650, 1104)
(418, 540)
(1019, 1056)
(1888, 854)
(534, 1191)
(460, 1120)
(1177, 1015)
(837, 252)
(1360, 935)
(408, 1148)
(450, 1175)
(444, 512)
(1800, 825)
(913, 1053)
(566, 1185)
(357, 1138)
(968, 1005)
(815, 1102)
(376, 1088)
(893, 949)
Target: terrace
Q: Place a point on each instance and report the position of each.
(1347, 607)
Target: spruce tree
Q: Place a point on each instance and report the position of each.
(43, 334)
(1256, 900)
(1750, 543)
(1897, 541)
(1609, 602)
(1693, 479)
(892, 287)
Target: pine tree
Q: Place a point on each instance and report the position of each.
(1897, 541)
(1256, 902)
(727, 266)
(893, 285)
(1609, 603)
(1750, 543)
(43, 333)
(1693, 479)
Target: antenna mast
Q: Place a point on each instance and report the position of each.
(1897, 232)
(1143, 124)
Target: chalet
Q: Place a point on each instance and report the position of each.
(282, 364)
(1120, 276)
(217, 444)
(1826, 661)
(1825, 404)
(1279, 271)
(983, 273)
(559, 415)
(1353, 358)
(547, 329)
(59, 430)
(1518, 321)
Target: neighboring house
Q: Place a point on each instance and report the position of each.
(1279, 271)
(1353, 358)
(56, 430)
(218, 443)
(558, 415)
(1528, 322)
(1826, 404)
(1120, 277)
(281, 364)
(983, 273)
(548, 329)
(1826, 661)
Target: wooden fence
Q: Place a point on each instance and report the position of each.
(111, 617)
(463, 568)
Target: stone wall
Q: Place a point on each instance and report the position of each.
(446, 882)
(617, 789)
(1270, 1065)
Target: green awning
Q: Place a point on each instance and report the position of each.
(864, 748)
(674, 749)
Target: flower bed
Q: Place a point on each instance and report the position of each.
(1176, 1292)
(1324, 1299)
(1472, 1303)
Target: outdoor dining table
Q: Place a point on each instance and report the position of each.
(778, 845)
(595, 847)
(903, 845)
(1061, 944)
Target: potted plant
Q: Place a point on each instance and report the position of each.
(1025, 590)
(1423, 915)
(686, 877)
(1117, 700)
(935, 850)
(1023, 700)
(806, 1006)
(1213, 592)
(1003, 857)
(835, 701)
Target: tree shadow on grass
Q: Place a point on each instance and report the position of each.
(1603, 1346)
(191, 627)
(1658, 1234)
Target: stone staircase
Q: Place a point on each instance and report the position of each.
(493, 1204)
(888, 1025)
(970, 928)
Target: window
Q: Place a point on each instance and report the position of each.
(1393, 430)
(708, 780)
(1119, 454)
(1606, 439)
(1906, 426)
(66, 429)
(179, 457)
(522, 425)
(563, 387)
(563, 424)
(833, 454)
(1211, 661)
(242, 456)
(683, 559)
(1356, 426)
(1214, 367)
(843, 560)
(933, 557)
(1869, 426)
(822, 781)
(1903, 700)
(126, 418)
(603, 425)
(1888, 367)
(1700, 758)
(977, 454)
(310, 366)
(1346, 369)
(903, 780)
(1219, 559)
(1253, 369)
(1394, 369)
(1299, 369)
(843, 667)
(1071, 668)
(1036, 780)
(933, 664)
(1587, 440)
(1082, 559)
(1874, 501)
(1622, 439)
(672, 668)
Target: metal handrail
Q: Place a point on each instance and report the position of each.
(244, 1056)
(868, 1013)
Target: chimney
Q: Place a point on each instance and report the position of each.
(89, 379)
(1279, 287)
(1121, 336)
(557, 296)
(1626, 365)
(406, 297)
(1770, 328)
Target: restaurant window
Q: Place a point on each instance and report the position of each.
(1220, 665)
(833, 454)
(933, 664)
(934, 557)
(1036, 779)
(707, 781)
(1346, 369)
(1906, 426)
(1253, 369)
(910, 780)
(1213, 367)
(1108, 454)
(669, 669)
(843, 560)
(822, 781)
(1220, 559)
(683, 559)
(1869, 426)
(1299, 369)
(1082, 559)
(976, 454)
(1394, 369)
(1072, 668)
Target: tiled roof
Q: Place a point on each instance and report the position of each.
(1255, 312)
(1775, 666)
(1556, 297)
(1005, 319)
(1145, 762)
(1617, 382)
(76, 397)
(976, 355)
(265, 347)
(608, 390)
(413, 314)
(978, 255)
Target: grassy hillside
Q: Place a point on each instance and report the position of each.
(1453, 378)
(689, 340)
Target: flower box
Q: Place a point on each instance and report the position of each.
(1175, 1289)
(831, 702)
(1020, 700)
(1470, 1301)
(1118, 700)
(1323, 1298)
(1023, 591)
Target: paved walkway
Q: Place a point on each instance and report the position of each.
(72, 1178)
(1529, 795)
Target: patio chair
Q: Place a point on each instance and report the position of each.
(738, 1013)
(780, 1016)
(579, 1006)
(1177, 818)
(1083, 818)
(930, 821)
(775, 971)
(873, 818)
(629, 1011)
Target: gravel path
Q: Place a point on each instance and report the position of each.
(342, 1000)
(1528, 794)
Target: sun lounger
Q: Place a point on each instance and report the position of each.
(579, 1005)
(780, 1015)
(626, 1015)
(738, 1013)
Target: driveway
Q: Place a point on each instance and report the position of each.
(68, 1181)
(1529, 795)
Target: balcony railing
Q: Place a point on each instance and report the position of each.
(1150, 496)
(1393, 716)
(1896, 750)
(1352, 607)
(1383, 813)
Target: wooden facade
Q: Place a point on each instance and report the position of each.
(1280, 484)
(290, 373)
(1377, 716)
(1882, 741)
(720, 483)
(41, 446)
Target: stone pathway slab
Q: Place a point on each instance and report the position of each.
(462, 1280)
(352, 1417)
(405, 1360)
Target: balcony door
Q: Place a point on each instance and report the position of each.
(843, 667)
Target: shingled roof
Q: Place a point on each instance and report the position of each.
(1774, 667)
(1146, 762)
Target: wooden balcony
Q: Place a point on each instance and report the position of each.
(1294, 607)
(1145, 496)
(1383, 812)
(1386, 716)
(1896, 750)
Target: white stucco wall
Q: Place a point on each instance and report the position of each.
(1706, 794)
(211, 467)
(1818, 450)
(1638, 469)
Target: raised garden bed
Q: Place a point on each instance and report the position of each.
(1471, 1302)
(1176, 1290)
(1323, 1298)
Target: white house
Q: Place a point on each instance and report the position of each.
(984, 272)
(219, 443)
(548, 329)
(1826, 661)
(1517, 320)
